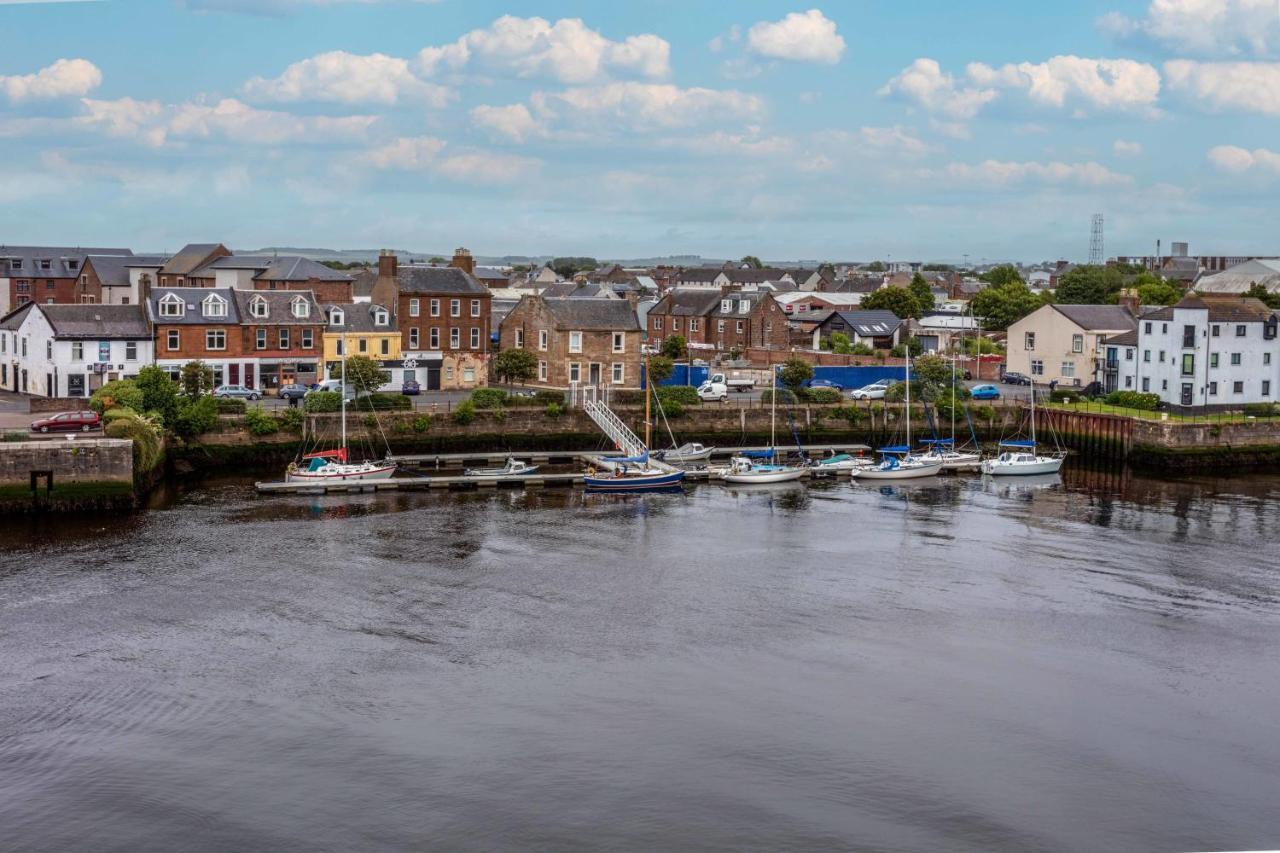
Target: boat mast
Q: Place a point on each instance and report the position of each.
(648, 382)
(773, 413)
(344, 385)
(906, 369)
(1033, 416)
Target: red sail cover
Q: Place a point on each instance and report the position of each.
(339, 453)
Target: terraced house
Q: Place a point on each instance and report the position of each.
(71, 350)
(259, 339)
(719, 321)
(361, 329)
(45, 274)
(578, 342)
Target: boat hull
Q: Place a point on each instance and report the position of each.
(348, 473)
(744, 478)
(633, 483)
(497, 473)
(902, 472)
(1042, 465)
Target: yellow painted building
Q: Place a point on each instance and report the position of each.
(365, 329)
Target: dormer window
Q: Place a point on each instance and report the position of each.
(258, 307)
(171, 305)
(381, 318)
(744, 306)
(73, 264)
(336, 317)
(301, 308)
(726, 306)
(214, 306)
(16, 264)
(45, 264)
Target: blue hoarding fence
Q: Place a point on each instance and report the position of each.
(682, 374)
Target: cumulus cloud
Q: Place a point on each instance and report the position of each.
(1231, 158)
(513, 122)
(894, 139)
(567, 51)
(1101, 83)
(66, 78)
(924, 84)
(350, 79)
(1214, 27)
(800, 37)
(1125, 148)
(407, 153)
(1000, 173)
(1244, 86)
(426, 154)
(644, 106)
(752, 143)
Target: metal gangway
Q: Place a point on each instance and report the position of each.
(610, 424)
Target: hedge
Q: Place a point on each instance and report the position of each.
(543, 397)
(1134, 400)
(230, 405)
(381, 403)
(1063, 395)
(784, 396)
(259, 422)
(823, 395)
(322, 401)
(488, 398)
(195, 417)
(685, 395)
(1261, 410)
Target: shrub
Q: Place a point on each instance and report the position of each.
(539, 398)
(116, 413)
(422, 423)
(671, 408)
(259, 422)
(1064, 395)
(1134, 400)
(852, 414)
(685, 395)
(627, 398)
(371, 421)
(488, 398)
(14, 436)
(123, 393)
(862, 348)
(147, 451)
(985, 413)
(785, 396)
(323, 401)
(196, 417)
(382, 403)
(823, 395)
(464, 414)
(292, 418)
(159, 392)
(230, 405)
(554, 410)
(795, 372)
(1261, 410)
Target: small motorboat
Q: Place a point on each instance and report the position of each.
(513, 468)
(744, 470)
(689, 452)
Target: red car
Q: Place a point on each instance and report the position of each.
(68, 422)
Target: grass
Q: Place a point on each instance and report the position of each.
(1099, 408)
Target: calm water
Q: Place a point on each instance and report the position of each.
(1090, 666)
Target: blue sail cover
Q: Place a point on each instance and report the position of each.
(897, 448)
(938, 441)
(642, 459)
(1018, 443)
(757, 454)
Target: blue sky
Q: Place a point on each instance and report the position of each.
(849, 130)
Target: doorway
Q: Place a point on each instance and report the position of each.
(593, 374)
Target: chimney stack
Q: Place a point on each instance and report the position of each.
(386, 289)
(387, 263)
(462, 260)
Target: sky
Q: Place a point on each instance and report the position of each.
(853, 130)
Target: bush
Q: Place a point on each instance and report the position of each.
(489, 398)
(147, 451)
(159, 392)
(540, 398)
(323, 401)
(862, 348)
(421, 423)
(123, 393)
(14, 436)
(381, 403)
(230, 405)
(115, 414)
(984, 413)
(292, 418)
(1134, 400)
(371, 421)
(795, 372)
(853, 414)
(196, 417)
(259, 422)
(823, 395)
(1261, 410)
(685, 395)
(1064, 395)
(670, 408)
(464, 414)
(785, 396)
(554, 410)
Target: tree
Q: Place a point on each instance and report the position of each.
(436, 260)
(795, 372)
(660, 369)
(1088, 285)
(920, 289)
(515, 365)
(566, 267)
(899, 300)
(197, 379)
(363, 374)
(751, 261)
(932, 370)
(839, 343)
(1157, 291)
(674, 347)
(1000, 276)
(1001, 306)
(122, 394)
(159, 392)
(1259, 291)
(876, 266)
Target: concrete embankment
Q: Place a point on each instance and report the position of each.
(61, 474)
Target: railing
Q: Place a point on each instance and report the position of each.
(612, 426)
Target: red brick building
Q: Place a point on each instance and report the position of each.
(188, 267)
(46, 274)
(717, 321)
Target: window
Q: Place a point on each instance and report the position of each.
(1215, 330)
(468, 374)
(1128, 354)
(171, 305)
(1128, 382)
(381, 317)
(1189, 364)
(739, 326)
(261, 340)
(575, 371)
(1077, 343)
(77, 351)
(173, 341)
(434, 338)
(308, 339)
(1266, 358)
(1237, 387)
(475, 337)
(301, 308)
(363, 345)
(1213, 359)
(336, 317)
(575, 342)
(455, 307)
(215, 339)
(657, 324)
(340, 347)
(384, 345)
(675, 324)
(726, 306)
(1213, 389)
(619, 373)
(1188, 337)
(542, 371)
(48, 350)
(475, 307)
(1241, 330)
(720, 326)
(1037, 367)
(1164, 328)
(1266, 387)
(1162, 356)
(415, 307)
(1068, 368)
(45, 264)
(455, 338)
(284, 338)
(519, 338)
(435, 307)
(413, 338)
(214, 306)
(619, 342)
(542, 339)
(1235, 359)
(258, 307)
(693, 324)
(1029, 340)
(1146, 355)
(744, 306)
(1147, 329)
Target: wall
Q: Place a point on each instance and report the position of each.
(87, 473)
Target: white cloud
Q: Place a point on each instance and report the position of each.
(924, 83)
(800, 37)
(1245, 86)
(408, 153)
(894, 139)
(1009, 173)
(1225, 27)
(1126, 148)
(1231, 158)
(426, 154)
(568, 51)
(514, 121)
(348, 78)
(751, 143)
(1101, 83)
(645, 106)
(64, 78)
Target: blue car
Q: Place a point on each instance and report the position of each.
(984, 392)
(824, 383)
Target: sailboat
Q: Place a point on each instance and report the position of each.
(954, 458)
(744, 469)
(1019, 457)
(897, 462)
(634, 473)
(335, 466)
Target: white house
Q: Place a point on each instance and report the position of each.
(71, 350)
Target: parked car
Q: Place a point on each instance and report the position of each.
(874, 391)
(1016, 378)
(292, 392)
(236, 391)
(68, 422)
(1093, 389)
(410, 388)
(984, 392)
(824, 383)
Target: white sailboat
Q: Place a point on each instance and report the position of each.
(1020, 457)
(897, 462)
(746, 469)
(953, 458)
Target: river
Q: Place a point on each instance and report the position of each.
(954, 665)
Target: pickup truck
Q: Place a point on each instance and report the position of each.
(718, 386)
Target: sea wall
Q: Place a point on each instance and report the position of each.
(62, 474)
(1192, 446)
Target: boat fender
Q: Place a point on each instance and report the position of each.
(591, 471)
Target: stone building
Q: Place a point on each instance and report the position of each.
(582, 342)
(719, 321)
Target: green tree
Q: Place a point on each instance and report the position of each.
(899, 300)
(660, 369)
(159, 392)
(1259, 291)
(920, 289)
(751, 261)
(363, 374)
(1001, 306)
(839, 343)
(674, 347)
(122, 393)
(436, 260)
(876, 266)
(1155, 291)
(197, 379)
(566, 267)
(1088, 285)
(515, 365)
(1001, 276)
(795, 372)
(932, 370)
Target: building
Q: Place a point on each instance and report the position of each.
(444, 318)
(942, 331)
(719, 278)
(278, 272)
(721, 321)
(188, 262)
(493, 276)
(578, 289)
(119, 279)
(45, 274)
(1241, 277)
(1063, 343)
(259, 339)
(363, 329)
(72, 350)
(877, 329)
(800, 302)
(578, 342)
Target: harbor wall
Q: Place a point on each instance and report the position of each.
(59, 474)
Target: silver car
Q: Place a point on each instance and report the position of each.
(238, 391)
(874, 391)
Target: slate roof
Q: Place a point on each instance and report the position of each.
(754, 276)
(1241, 277)
(30, 256)
(1124, 339)
(447, 280)
(1222, 308)
(279, 267)
(687, 303)
(736, 299)
(491, 274)
(193, 297)
(98, 322)
(12, 321)
(113, 270)
(593, 314)
(868, 324)
(856, 285)
(359, 318)
(188, 258)
(699, 274)
(577, 290)
(362, 282)
(279, 307)
(1098, 316)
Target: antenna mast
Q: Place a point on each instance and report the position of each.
(1096, 256)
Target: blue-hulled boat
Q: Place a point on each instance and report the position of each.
(631, 474)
